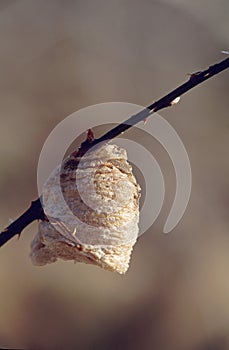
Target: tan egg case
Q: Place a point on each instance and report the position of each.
(92, 205)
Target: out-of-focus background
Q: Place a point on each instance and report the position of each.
(57, 57)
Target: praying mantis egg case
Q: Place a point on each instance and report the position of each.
(92, 205)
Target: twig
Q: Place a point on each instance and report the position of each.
(35, 212)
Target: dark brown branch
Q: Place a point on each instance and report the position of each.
(35, 212)
(166, 101)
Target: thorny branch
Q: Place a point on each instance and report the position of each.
(35, 211)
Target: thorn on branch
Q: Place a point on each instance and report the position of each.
(194, 75)
(90, 135)
(175, 101)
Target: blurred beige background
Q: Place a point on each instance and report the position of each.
(59, 56)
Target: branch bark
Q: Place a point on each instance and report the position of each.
(35, 211)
